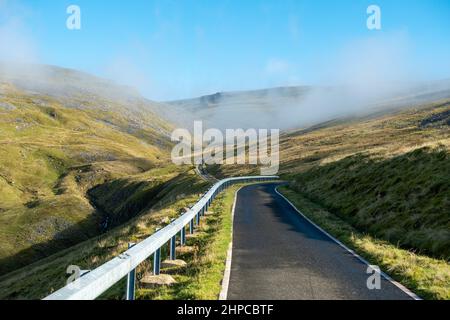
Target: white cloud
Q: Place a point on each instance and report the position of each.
(15, 42)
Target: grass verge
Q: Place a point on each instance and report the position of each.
(427, 277)
(201, 278)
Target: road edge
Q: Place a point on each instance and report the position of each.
(352, 252)
(227, 272)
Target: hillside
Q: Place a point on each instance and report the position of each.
(39, 279)
(81, 91)
(62, 137)
(404, 200)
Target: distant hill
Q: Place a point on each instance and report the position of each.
(240, 109)
(298, 107)
(82, 91)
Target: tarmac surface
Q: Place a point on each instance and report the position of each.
(279, 255)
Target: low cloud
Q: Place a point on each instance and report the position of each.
(365, 74)
(125, 70)
(374, 66)
(16, 40)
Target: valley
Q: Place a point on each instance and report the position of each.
(87, 168)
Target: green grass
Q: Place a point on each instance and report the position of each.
(201, 279)
(404, 200)
(427, 277)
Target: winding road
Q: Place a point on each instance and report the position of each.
(278, 254)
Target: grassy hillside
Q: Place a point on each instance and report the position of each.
(381, 135)
(387, 175)
(404, 199)
(55, 149)
(37, 280)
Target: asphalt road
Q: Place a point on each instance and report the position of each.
(279, 255)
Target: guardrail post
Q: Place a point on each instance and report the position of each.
(157, 262)
(191, 226)
(183, 236)
(131, 279)
(173, 244)
(198, 218)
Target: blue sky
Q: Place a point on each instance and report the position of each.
(173, 49)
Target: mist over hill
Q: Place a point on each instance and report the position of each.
(299, 107)
(79, 90)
